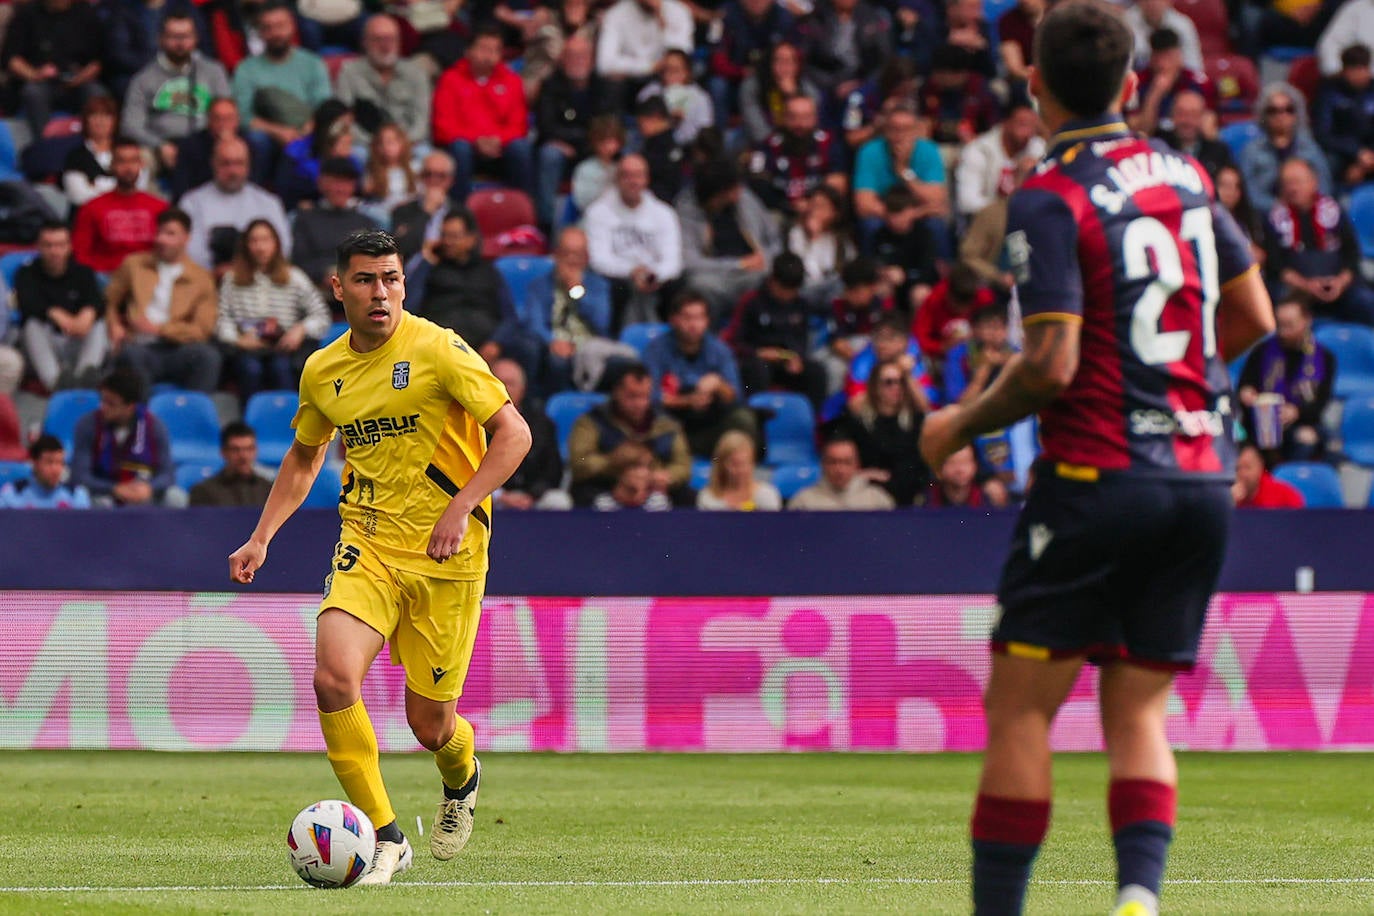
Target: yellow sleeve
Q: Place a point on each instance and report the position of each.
(468, 380)
(312, 427)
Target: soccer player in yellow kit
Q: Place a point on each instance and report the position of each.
(414, 405)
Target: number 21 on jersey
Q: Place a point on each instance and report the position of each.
(1146, 235)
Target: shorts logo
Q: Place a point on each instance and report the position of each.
(438, 674)
(1040, 537)
(1018, 255)
(400, 375)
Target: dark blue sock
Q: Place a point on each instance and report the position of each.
(1141, 849)
(1000, 874)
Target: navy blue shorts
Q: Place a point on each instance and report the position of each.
(1116, 568)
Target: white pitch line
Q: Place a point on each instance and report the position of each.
(689, 882)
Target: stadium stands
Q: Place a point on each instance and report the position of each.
(1353, 347)
(639, 334)
(65, 408)
(790, 428)
(192, 424)
(565, 407)
(1318, 483)
(270, 414)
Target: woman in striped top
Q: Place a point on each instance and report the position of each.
(271, 317)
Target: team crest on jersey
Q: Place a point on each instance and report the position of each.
(400, 375)
(1018, 255)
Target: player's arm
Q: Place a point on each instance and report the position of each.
(509, 444)
(299, 468)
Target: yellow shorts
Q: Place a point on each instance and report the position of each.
(430, 623)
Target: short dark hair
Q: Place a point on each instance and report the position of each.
(235, 429)
(652, 107)
(628, 371)
(859, 272)
(463, 215)
(1294, 297)
(124, 141)
(1082, 50)
(838, 438)
(897, 198)
(44, 444)
(179, 13)
(487, 29)
(995, 312)
(1356, 56)
(174, 215)
(685, 298)
(372, 242)
(788, 271)
(964, 282)
(125, 384)
(53, 225)
(893, 323)
(1165, 39)
(714, 177)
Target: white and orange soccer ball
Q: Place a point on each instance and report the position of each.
(331, 843)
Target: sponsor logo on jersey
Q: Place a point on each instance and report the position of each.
(371, 430)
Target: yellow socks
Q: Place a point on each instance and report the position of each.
(352, 746)
(455, 758)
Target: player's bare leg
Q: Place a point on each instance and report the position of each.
(1012, 813)
(438, 727)
(1142, 797)
(344, 650)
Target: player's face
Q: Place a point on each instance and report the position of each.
(372, 291)
(49, 467)
(839, 464)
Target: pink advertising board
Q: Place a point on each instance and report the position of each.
(176, 671)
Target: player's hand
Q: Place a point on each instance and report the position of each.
(246, 561)
(448, 533)
(942, 435)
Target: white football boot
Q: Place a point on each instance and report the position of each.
(388, 861)
(453, 821)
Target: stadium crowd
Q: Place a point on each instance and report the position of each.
(724, 255)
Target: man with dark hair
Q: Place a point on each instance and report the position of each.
(160, 311)
(455, 287)
(169, 99)
(120, 222)
(1163, 79)
(899, 156)
(1118, 549)
(994, 164)
(430, 434)
(61, 306)
(611, 436)
(770, 331)
(278, 89)
(480, 115)
(121, 453)
(728, 238)
(696, 376)
(45, 489)
(1298, 375)
(53, 50)
(316, 230)
(795, 159)
(238, 483)
(842, 487)
(1343, 118)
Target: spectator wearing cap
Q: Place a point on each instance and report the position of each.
(795, 159)
(1163, 79)
(1281, 113)
(728, 238)
(842, 486)
(1149, 16)
(480, 115)
(1343, 118)
(899, 156)
(221, 208)
(770, 333)
(994, 164)
(1188, 133)
(278, 89)
(318, 229)
(393, 88)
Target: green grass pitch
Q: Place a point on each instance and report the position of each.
(823, 833)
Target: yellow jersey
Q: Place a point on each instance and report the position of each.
(411, 414)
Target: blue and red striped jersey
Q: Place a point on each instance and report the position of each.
(1123, 234)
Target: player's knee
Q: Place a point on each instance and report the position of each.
(335, 690)
(432, 733)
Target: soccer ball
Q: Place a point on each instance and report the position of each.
(331, 844)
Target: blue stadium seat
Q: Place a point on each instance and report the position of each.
(1353, 347)
(65, 408)
(188, 475)
(565, 407)
(1237, 135)
(1318, 483)
(336, 330)
(8, 154)
(791, 478)
(638, 335)
(790, 434)
(1362, 217)
(192, 425)
(324, 492)
(1357, 430)
(10, 264)
(701, 473)
(11, 471)
(518, 271)
(270, 414)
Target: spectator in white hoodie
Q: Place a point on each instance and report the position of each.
(634, 240)
(1353, 24)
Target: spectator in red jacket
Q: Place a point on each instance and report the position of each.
(480, 115)
(1256, 488)
(943, 319)
(121, 222)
